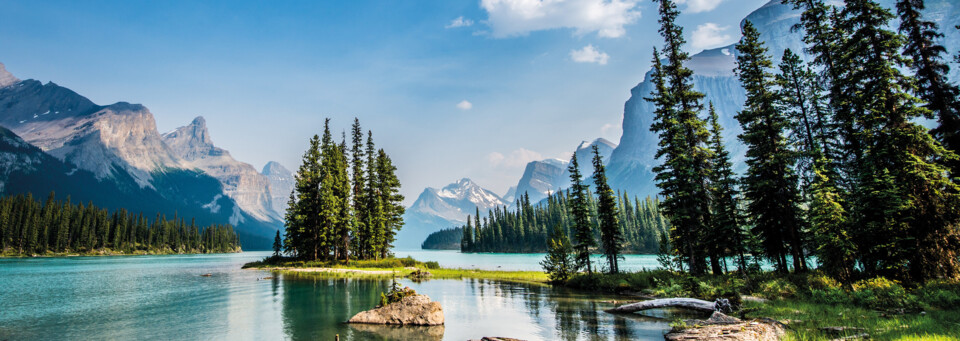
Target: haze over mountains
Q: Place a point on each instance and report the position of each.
(117, 149)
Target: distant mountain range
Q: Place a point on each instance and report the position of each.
(56, 139)
(437, 209)
(441, 208)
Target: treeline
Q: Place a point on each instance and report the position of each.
(28, 227)
(838, 168)
(346, 202)
(445, 239)
(528, 228)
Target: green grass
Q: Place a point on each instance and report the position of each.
(806, 318)
(399, 267)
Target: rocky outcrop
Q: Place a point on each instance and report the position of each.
(241, 182)
(415, 310)
(6, 78)
(723, 327)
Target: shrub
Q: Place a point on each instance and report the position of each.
(881, 293)
(431, 265)
(395, 294)
(777, 288)
(941, 293)
(822, 282)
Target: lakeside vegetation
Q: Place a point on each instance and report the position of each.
(386, 268)
(30, 227)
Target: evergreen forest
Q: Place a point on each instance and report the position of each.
(346, 203)
(31, 227)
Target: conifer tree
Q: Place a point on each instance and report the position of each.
(828, 218)
(361, 235)
(303, 216)
(905, 209)
(611, 237)
(343, 190)
(583, 231)
(559, 264)
(391, 201)
(800, 96)
(933, 87)
(373, 218)
(277, 244)
(726, 232)
(330, 204)
(682, 178)
(770, 186)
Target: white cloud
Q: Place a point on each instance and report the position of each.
(589, 54)
(697, 6)
(710, 35)
(516, 159)
(607, 18)
(459, 22)
(464, 105)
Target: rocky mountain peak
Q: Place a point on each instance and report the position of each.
(6, 78)
(275, 168)
(193, 141)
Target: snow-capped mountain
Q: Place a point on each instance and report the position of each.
(241, 182)
(281, 185)
(545, 177)
(631, 163)
(449, 206)
(119, 144)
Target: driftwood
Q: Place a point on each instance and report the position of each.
(688, 303)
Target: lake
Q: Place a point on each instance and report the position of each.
(165, 297)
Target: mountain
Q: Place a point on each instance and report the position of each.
(449, 206)
(119, 145)
(24, 168)
(241, 182)
(542, 178)
(631, 163)
(281, 185)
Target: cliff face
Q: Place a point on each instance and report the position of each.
(241, 182)
(118, 146)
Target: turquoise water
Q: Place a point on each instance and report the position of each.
(516, 261)
(165, 297)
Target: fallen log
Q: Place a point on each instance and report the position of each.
(687, 303)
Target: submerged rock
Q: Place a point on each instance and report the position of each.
(415, 310)
(395, 332)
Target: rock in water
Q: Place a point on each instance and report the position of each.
(416, 310)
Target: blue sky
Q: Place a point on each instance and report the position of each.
(450, 89)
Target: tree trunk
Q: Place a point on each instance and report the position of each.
(688, 303)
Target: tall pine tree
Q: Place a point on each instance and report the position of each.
(933, 87)
(611, 236)
(580, 213)
(682, 178)
(770, 185)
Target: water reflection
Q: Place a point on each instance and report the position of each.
(164, 297)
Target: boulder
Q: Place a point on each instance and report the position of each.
(723, 327)
(415, 310)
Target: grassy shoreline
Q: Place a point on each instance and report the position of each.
(806, 303)
(388, 268)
